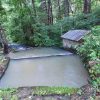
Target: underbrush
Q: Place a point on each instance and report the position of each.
(90, 52)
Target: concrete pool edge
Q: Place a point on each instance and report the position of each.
(38, 57)
(59, 51)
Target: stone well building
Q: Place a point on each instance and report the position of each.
(73, 38)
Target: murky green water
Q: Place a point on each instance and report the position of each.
(49, 71)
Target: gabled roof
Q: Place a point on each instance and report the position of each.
(75, 35)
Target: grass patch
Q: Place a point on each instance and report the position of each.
(8, 94)
(11, 94)
(54, 90)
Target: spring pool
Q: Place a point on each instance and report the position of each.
(47, 67)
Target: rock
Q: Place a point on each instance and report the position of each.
(24, 92)
(50, 98)
(37, 98)
(92, 63)
(1, 70)
(87, 92)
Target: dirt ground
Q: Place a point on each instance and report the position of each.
(3, 65)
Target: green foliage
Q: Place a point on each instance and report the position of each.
(31, 32)
(86, 21)
(90, 51)
(22, 26)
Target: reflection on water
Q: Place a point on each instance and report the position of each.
(51, 71)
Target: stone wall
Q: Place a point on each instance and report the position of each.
(68, 43)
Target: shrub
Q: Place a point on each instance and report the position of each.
(90, 51)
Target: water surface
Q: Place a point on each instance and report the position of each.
(66, 70)
(39, 52)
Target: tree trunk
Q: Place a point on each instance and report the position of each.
(34, 8)
(87, 6)
(2, 35)
(3, 41)
(45, 10)
(66, 8)
(44, 5)
(50, 15)
(59, 9)
(5, 49)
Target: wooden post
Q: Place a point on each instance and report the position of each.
(87, 6)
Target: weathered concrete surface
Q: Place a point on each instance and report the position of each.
(50, 71)
(39, 52)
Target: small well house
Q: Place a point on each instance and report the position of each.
(73, 38)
